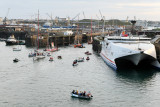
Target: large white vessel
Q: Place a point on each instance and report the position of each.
(127, 52)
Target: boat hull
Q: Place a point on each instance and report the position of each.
(11, 43)
(140, 60)
(108, 61)
(80, 96)
(122, 54)
(16, 49)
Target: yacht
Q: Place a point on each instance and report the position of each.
(121, 52)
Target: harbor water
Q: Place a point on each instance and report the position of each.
(42, 83)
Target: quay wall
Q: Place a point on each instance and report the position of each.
(17, 34)
(60, 40)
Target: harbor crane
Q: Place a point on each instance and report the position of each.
(127, 19)
(98, 21)
(103, 20)
(84, 15)
(51, 18)
(76, 16)
(134, 17)
(5, 19)
(101, 15)
(68, 21)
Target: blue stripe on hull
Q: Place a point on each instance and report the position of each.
(109, 63)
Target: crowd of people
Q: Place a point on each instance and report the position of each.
(81, 93)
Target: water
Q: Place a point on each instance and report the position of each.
(42, 83)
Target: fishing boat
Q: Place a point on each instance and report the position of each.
(11, 41)
(128, 51)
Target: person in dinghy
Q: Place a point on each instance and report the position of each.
(81, 95)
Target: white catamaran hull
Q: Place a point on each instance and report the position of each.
(119, 54)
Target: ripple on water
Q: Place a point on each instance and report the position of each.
(43, 83)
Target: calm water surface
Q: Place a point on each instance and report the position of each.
(42, 83)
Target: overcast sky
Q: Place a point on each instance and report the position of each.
(117, 9)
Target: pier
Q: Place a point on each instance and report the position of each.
(58, 40)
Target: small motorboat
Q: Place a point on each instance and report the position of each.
(59, 57)
(49, 54)
(81, 95)
(80, 59)
(51, 59)
(77, 45)
(88, 53)
(75, 63)
(16, 49)
(15, 60)
(87, 58)
(32, 54)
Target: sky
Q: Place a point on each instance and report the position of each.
(111, 9)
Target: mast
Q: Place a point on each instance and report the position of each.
(38, 30)
(77, 30)
(91, 29)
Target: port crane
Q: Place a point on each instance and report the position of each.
(84, 15)
(51, 18)
(76, 16)
(5, 19)
(103, 20)
(127, 19)
(98, 21)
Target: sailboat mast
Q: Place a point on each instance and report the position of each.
(91, 28)
(38, 29)
(77, 30)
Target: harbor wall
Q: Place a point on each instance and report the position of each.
(96, 45)
(17, 35)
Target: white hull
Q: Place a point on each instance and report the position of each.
(40, 57)
(127, 53)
